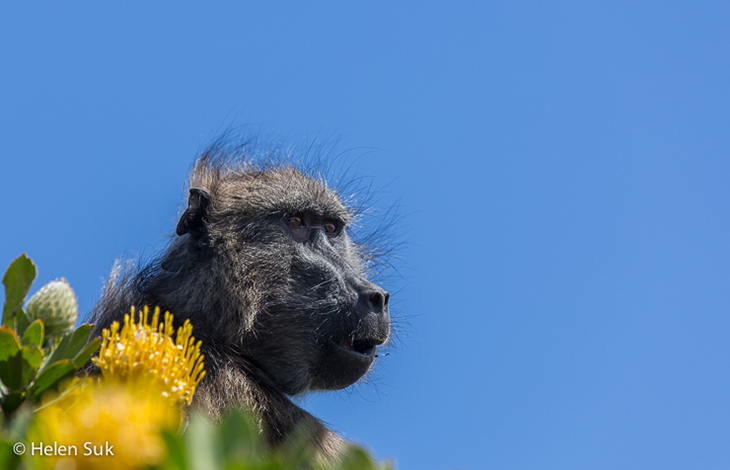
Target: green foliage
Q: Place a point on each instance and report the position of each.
(34, 360)
(235, 444)
(17, 281)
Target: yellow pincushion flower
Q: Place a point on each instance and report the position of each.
(108, 426)
(145, 355)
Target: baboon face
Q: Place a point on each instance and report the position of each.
(298, 305)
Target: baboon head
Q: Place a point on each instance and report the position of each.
(265, 257)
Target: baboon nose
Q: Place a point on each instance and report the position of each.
(379, 300)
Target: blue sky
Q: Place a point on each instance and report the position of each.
(562, 170)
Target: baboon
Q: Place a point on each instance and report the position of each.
(264, 268)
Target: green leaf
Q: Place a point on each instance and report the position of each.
(15, 430)
(32, 359)
(69, 346)
(200, 442)
(21, 321)
(85, 354)
(11, 371)
(387, 465)
(296, 451)
(240, 438)
(64, 393)
(50, 378)
(12, 401)
(79, 338)
(356, 459)
(175, 451)
(19, 370)
(17, 280)
(22, 417)
(33, 335)
(8, 459)
(55, 351)
(9, 344)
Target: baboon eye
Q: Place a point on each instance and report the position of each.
(330, 227)
(296, 221)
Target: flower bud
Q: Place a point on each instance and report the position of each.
(55, 304)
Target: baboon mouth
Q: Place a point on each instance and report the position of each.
(365, 347)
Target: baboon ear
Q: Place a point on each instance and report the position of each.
(192, 219)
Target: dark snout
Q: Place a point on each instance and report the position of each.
(377, 300)
(349, 353)
(375, 318)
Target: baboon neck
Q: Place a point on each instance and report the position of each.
(235, 383)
